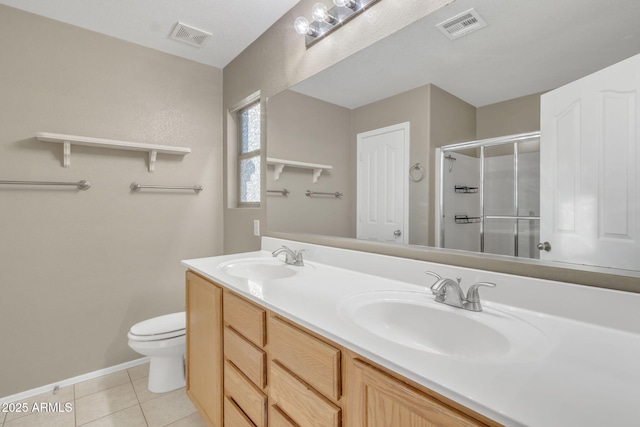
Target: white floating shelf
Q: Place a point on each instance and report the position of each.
(280, 164)
(68, 140)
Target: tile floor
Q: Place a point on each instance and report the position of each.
(120, 399)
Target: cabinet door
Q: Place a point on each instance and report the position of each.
(375, 399)
(204, 348)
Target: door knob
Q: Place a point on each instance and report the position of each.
(397, 233)
(544, 246)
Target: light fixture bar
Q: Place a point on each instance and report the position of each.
(318, 30)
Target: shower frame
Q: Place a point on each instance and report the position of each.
(446, 154)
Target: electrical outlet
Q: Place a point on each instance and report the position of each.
(256, 227)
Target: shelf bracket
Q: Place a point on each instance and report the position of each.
(279, 167)
(66, 154)
(153, 155)
(316, 174)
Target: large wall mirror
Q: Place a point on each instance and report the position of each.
(417, 91)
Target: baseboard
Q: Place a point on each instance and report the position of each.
(74, 380)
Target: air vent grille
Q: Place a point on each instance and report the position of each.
(190, 35)
(462, 24)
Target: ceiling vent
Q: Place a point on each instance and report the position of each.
(462, 24)
(186, 34)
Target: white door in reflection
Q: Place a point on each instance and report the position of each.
(383, 164)
(590, 173)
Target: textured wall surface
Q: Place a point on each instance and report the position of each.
(78, 268)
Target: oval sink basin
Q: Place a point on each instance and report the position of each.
(260, 268)
(415, 320)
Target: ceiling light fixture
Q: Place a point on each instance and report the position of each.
(326, 20)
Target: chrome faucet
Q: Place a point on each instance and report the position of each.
(291, 257)
(448, 291)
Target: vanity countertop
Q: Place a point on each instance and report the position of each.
(588, 374)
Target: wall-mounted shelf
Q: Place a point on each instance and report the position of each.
(68, 140)
(280, 164)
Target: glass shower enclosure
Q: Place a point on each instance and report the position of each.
(489, 196)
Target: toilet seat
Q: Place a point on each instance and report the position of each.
(159, 328)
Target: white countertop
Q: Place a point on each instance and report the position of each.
(589, 374)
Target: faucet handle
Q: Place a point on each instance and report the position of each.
(473, 297)
(436, 275)
(436, 288)
(299, 260)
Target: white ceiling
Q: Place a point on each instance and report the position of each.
(234, 24)
(528, 47)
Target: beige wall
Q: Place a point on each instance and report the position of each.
(305, 129)
(510, 117)
(278, 60)
(77, 269)
(412, 106)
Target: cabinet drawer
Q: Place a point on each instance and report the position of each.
(246, 357)
(244, 317)
(314, 361)
(247, 396)
(277, 418)
(304, 405)
(233, 416)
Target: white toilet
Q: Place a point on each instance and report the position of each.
(163, 340)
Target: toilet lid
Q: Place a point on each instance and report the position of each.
(161, 327)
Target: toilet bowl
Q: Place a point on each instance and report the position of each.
(163, 339)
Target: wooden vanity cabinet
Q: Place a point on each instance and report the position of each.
(304, 377)
(278, 374)
(204, 344)
(375, 398)
(245, 362)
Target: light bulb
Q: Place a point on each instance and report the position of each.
(345, 3)
(319, 12)
(301, 24)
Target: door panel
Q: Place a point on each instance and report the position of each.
(590, 188)
(382, 190)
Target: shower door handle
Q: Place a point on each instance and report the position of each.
(544, 246)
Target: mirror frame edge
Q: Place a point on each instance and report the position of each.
(564, 273)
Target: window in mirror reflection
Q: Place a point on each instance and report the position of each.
(249, 155)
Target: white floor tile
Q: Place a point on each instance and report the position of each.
(139, 371)
(103, 403)
(130, 417)
(193, 420)
(121, 399)
(62, 396)
(41, 419)
(168, 408)
(141, 386)
(105, 382)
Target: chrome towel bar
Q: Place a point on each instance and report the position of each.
(311, 193)
(137, 187)
(81, 185)
(284, 191)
